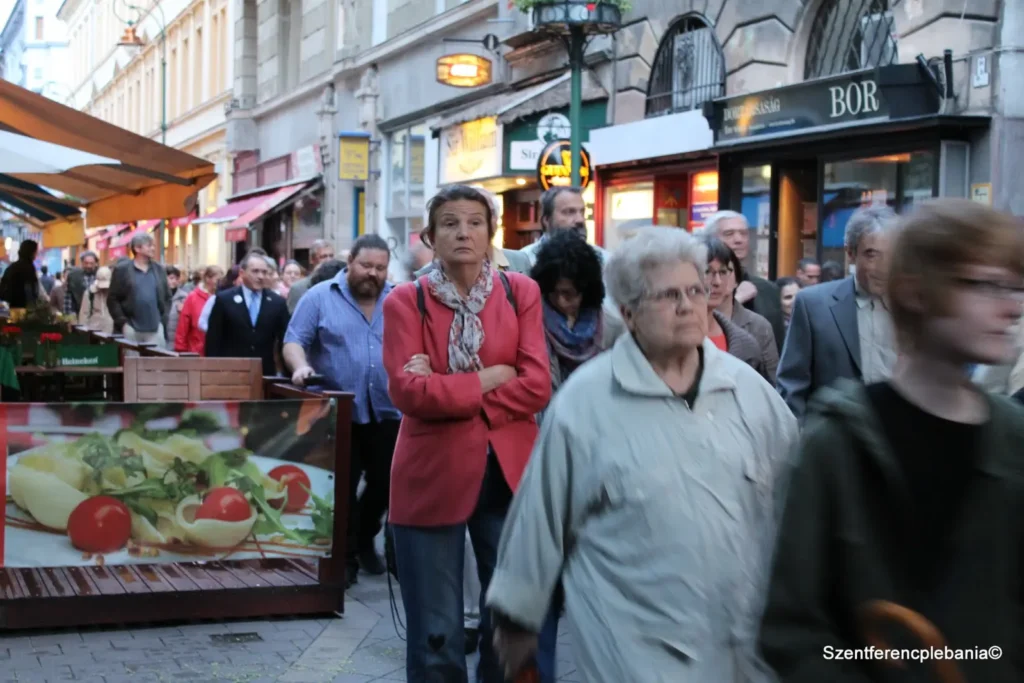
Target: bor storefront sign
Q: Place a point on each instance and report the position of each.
(471, 151)
(554, 166)
(891, 92)
(526, 138)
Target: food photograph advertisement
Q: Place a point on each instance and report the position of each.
(146, 483)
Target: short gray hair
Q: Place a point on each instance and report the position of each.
(141, 239)
(711, 224)
(626, 271)
(867, 221)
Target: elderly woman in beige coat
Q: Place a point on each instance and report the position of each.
(651, 492)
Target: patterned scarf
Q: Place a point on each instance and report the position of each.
(575, 345)
(466, 336)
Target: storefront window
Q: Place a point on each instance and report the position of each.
(406, 201)
(417, 166)
(628, 207)
(757, 209)
(894, 180)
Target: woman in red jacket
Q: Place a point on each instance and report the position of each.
(188, 337)
(467, 365)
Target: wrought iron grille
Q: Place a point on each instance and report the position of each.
(689, 69)
(848, 35)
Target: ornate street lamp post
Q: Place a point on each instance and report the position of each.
(575, 23)
(131, 38)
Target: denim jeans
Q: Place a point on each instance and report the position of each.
(430, 564)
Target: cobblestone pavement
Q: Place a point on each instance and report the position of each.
(363, 646)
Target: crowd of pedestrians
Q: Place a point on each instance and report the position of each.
(709, 475)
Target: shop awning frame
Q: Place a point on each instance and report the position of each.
(149, 179)
(275, 201)
(513, 105)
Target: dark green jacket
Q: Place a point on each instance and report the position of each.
(837, 550)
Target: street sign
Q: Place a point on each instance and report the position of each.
(464, 70)
(554, 166)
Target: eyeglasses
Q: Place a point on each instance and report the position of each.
(711, 272)
(991, 289)
(675, 296)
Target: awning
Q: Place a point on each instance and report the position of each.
(276, 200)
(64, 233)
(109, 233)
(126, 239)
(150, 179)
(232, 210)
(34, 204)
(514, 105)
(660, 136)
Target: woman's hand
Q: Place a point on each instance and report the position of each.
(493, 377)
(746, 292)
(419, 365)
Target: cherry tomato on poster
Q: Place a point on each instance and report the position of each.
(224, 504)
(100, 524)
(297, 482)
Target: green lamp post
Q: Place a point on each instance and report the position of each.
(576, 22)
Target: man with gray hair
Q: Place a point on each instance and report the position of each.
(755, 293)
(322, 250)
(139, 297)
(843, 329)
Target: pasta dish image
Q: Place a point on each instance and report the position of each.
(189, 486)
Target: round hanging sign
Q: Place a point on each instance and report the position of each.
(554, 166)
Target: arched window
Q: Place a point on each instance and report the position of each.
(848, 35)
(689, 69)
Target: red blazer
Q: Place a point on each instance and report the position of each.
(447, 421)
(188, 336)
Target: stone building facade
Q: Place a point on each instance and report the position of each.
(306, 71)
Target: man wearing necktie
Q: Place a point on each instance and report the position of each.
(249, 321)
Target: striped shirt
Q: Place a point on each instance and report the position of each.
(344, 347)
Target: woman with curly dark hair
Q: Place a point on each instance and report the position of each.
(569, 274)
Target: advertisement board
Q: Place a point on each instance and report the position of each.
(157, 483)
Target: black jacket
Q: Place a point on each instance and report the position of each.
(76, 288)
(839, 548)
(230, 333)
(19, 286)
(120, 299)
(768, 304)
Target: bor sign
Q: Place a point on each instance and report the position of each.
(464, 70)
(554, 166)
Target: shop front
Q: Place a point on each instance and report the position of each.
(657, 171)
(799, 160)
(278, 206)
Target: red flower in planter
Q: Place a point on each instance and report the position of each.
(52, 337)
(11, 330)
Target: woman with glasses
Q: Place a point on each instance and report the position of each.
(650, 493)
(724, 333)
(724, 274)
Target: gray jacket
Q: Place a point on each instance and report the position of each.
(177, 301)
(822, 343)
(741, 344)
(760, 329)
(652, 514)
(299, 288)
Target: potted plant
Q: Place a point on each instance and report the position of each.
(10, 338)
(51, 348)
(602, 16)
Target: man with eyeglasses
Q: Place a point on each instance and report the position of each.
(249, 321)
(843, 329)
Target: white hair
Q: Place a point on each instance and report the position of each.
(867, 221)
(626, 271)
(711, 224)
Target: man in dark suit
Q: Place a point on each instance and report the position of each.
(249, 321)
(842, 329)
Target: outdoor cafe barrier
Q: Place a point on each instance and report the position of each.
(171, 510)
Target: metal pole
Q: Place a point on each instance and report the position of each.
(163, 125)
(576, 44)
